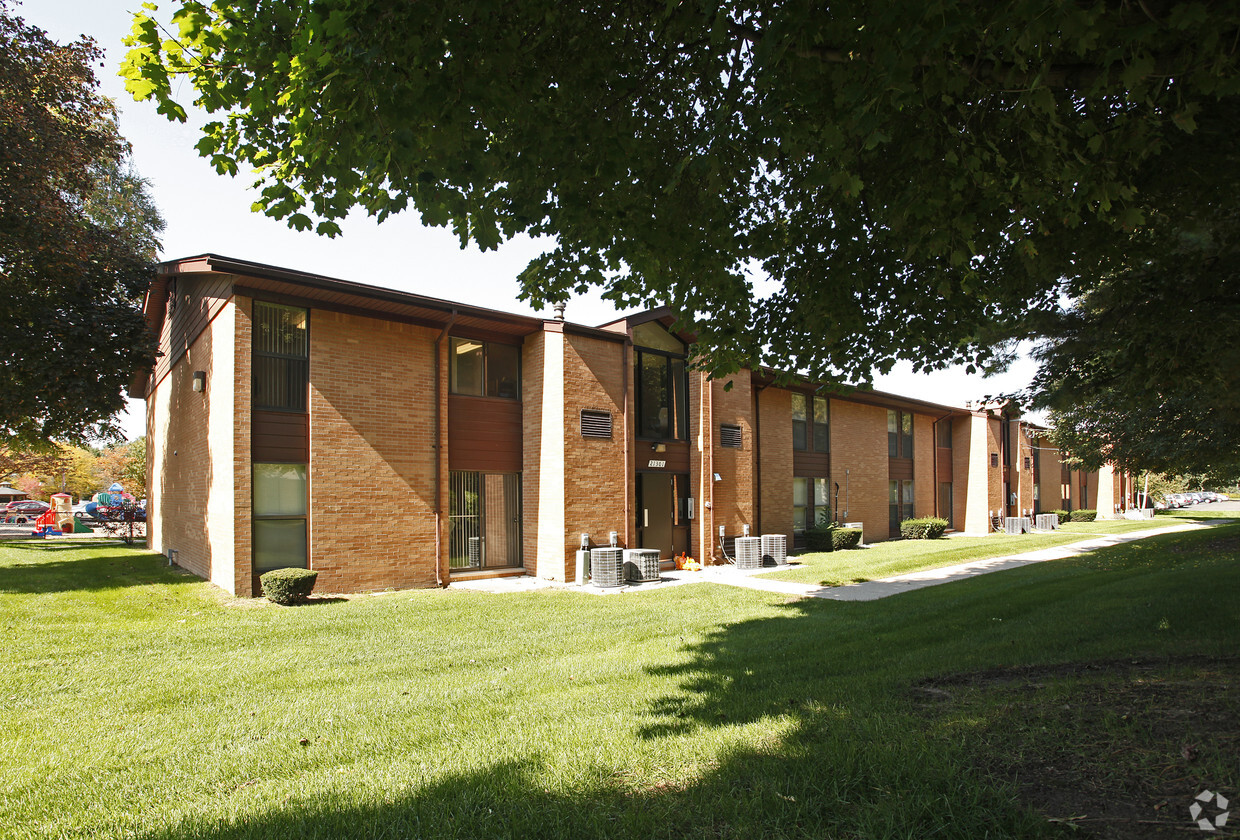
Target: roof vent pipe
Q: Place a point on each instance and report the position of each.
(559, 311)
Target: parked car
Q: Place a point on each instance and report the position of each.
(19, 513)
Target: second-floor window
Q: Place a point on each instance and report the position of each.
(662, 380)
(281, 358)
(485, 369)
(810, 426)
(899, 434)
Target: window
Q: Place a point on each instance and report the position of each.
(811, 502)
(800, 436)
(484, 369)
(821, 429)
(279, 510)
(899, 434)
(729, 436)
(945, 433)
(662, 384)
(281, 357)
(900, 504)
(945, 502)
(810, 428)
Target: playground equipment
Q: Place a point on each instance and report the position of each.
(59, 518)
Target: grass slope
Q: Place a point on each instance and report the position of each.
(139, 702)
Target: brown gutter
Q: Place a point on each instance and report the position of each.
(439, 406)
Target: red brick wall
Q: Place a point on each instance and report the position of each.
(734, 493)
(923, 465)
(859, 465)
(372, 462)
(243, 533)
(532, 358)
(596, 479)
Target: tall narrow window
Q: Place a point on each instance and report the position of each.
(945, 433)
(899, 434)
(800, 435)
(279, 499)
(900, 504)
(281, 357)
(662, 379)
(822, 437)
(484, 369)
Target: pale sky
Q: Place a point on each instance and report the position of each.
(206, 212)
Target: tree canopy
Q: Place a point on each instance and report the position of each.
(77, 243)
(918, 180)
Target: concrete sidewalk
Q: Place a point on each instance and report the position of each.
(872, 590)
(867, 591)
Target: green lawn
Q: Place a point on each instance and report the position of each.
(139, 702)
(898, 557)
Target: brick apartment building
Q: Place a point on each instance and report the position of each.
(392, 440)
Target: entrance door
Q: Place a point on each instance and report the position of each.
(484, 520)
(663, 512)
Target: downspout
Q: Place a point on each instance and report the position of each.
(628, 443)
(705, 533)
(710, 447)
(757, 458)
(439, 405)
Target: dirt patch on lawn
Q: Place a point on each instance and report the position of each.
(1113, 749)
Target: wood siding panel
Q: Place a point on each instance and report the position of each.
(811, 464)
(280, 437)
(900, 469)
(198, 300)
(676, 458)
(484, 434)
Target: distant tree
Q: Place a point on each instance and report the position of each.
(77, 237)
(31, 485)
(134, 476)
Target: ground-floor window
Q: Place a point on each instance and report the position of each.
(945, 502)
(279, 511)
(900, 504)
(811, 505)
(484, 519)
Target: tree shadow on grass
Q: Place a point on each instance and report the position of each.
(835, 747)
(98, 568)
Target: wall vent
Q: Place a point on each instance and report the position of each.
(729, 436)
(595, 424)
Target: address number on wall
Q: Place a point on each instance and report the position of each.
(656, 464)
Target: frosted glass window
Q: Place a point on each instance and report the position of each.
(279, 544)
(279, 489)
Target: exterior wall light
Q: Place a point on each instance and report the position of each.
(200, 381)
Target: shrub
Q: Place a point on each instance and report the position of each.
(926, 528)
(1062, 514)
(288, 586)
(1083, 515)
(820, 538)
(844, 538)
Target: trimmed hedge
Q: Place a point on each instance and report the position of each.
(1083, 515)
(926, 528)
(1062, 514)
(845, 538)
(820, 538)
(288, 586)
